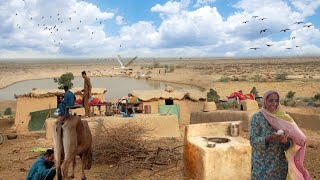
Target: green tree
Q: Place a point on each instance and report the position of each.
(8, 111)
(65, 80)
(212, 95)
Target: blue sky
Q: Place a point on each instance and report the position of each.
(158, 28)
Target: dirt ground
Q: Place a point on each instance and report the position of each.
(16, 158)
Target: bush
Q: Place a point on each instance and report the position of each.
(290, 95)
(254, 91)
(224, 105)
(65, 80)
(212, 95)
(258, 78)
(317, 96)
(171, 68)
(224, 79)
(281, 76)
(8, 111)
(156, 64)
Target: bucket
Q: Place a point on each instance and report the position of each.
(147, 109)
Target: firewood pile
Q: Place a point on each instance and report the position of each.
(125, 147)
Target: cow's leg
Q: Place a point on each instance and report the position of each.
(57, 149)
(73, 166)
(69, 145)
(82, 166)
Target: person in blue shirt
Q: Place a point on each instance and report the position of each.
(68, 100)
(43, 167)
(128, 114)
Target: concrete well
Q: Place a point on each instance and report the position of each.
(228, 160)
(222, 116)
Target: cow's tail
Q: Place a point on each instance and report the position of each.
(58, 148)
(88, 159)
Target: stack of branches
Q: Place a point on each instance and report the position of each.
(125, 146)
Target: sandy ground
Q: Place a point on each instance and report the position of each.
(16, 158)
(303, 74)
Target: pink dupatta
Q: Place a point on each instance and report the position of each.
(295, 154)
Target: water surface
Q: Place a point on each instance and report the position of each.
(116, 86)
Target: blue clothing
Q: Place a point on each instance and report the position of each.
(126, 115)
(39, 171)
(68, 100)
(268, 158)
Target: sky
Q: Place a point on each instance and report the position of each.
(159, 28)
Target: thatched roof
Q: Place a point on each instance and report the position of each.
(39, 93)
(154, 95)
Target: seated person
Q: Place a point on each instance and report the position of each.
(68, 100)
(128, 114)
(43, 167)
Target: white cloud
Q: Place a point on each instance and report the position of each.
(201, 2)
(119, 20)
(51, 27)
(195, 28)
(184, 29)
(306, 7)
(171, 7)
(139, 35)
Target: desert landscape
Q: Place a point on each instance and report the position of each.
(225, 76)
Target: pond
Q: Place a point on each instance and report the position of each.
(116, 86)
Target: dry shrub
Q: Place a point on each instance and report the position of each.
(126, 148)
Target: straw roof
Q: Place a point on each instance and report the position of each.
(154, 95)
(39, 93)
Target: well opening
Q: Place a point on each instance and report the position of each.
(217, 139)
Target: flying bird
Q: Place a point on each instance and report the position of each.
(245, 22)
(254, 48)
(269, 45)
(288, 48)
(297, 46)
(298, 22)
(254, 16)
(293, 37)
(126, 66)
(309, 25)
(262, 19)
(284, 30)
(263, 30)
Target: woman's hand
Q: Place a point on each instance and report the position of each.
(283, 138)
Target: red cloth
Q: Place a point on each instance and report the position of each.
(78, 101)
(241, 96)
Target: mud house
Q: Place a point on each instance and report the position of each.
(33, 108)
(181, 103)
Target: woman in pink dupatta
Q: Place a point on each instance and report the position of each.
(276, 155)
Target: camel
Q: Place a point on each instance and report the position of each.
(72, 138)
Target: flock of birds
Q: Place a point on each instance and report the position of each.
(280, 31)
(57, 25)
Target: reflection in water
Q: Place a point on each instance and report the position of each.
(116, 86)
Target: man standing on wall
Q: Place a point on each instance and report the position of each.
(86, 93)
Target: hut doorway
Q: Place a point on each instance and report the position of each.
(169, 101)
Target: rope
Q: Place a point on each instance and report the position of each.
(48, 172)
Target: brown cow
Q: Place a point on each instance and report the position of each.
(74, 139)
